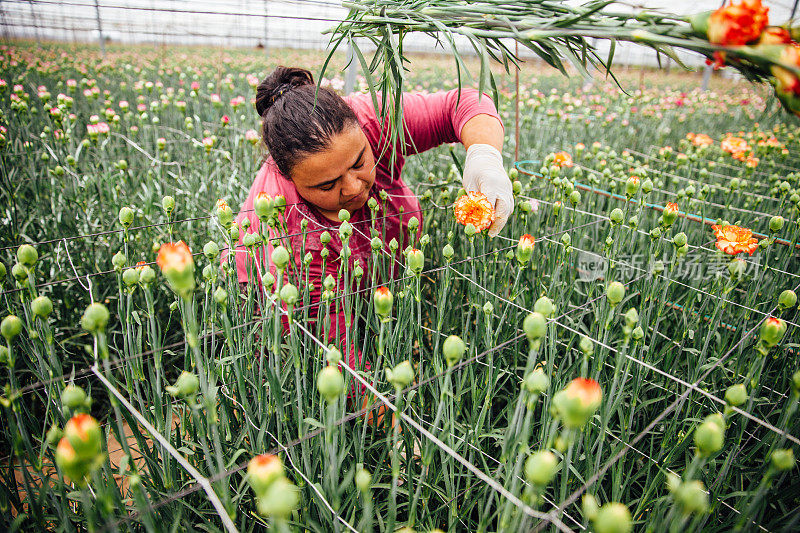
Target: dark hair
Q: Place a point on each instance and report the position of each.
(297, 117)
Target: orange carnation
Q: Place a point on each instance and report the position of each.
(775, 35)
(701, 139)
(736, 146)
(174, 255)
(737, 24)
(734, 240)
(562, 159)
(474, 208)
(787, 81)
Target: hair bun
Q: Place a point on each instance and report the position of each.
(276, 84)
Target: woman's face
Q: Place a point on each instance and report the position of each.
(339, 177)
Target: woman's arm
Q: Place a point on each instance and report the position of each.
(483, 129)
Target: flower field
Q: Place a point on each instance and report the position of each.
(621, 357)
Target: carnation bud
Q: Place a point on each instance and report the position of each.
(119, 261)
(53, 435)
(587, 346)
(772, 331)
(211, 250)
(224, 213)
(69, 463)
(330, 383)
(589, 506)
(344, 215)
(221, 296)
(679, 240)
(264, 206)
(185, 386)
(453, 349)
(616, 216)
(376, 244)
(736, 268)
(363, 479)
(709, 437)
(647, 186)
(783, 459)
(95, 318)
(280, 257)
(787, 299)
(279, 500)
(27, 255)
(333, 355)
(632, 186)
(631, 317)
(575, 198)
(576, 403)
(613, 517)
(345, 230)
(84, 435)
(400, 376)
(130, 277)
(383, 300)
(126, 217)
(540, 468)
(615, 292)
(11, 327)
(736, 395)
(415, 260)
(536, 382)
(41, 307)
(262, 471)
(146, 275)
(448, 252)
(544, 305)
(289, 294)
(535, 326)
(776, 224)
(73, 397)
(690, 496)
(325, 237)
(168, 204)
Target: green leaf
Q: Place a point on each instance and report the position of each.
(314, 422)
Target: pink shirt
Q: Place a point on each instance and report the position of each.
(430, 120)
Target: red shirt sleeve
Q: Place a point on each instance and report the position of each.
(437, 118)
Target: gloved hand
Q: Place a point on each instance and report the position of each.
(484, 172)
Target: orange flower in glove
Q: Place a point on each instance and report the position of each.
(474, 208)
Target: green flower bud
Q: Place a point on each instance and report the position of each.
(783, 459)
(54, 434)
(126, 217)
(279, 500)
(772, 331)
(637, 333)
(73, 397)
(146, 275)
(225, 213)
(575, 198)
(325, 237)
(264, 206)
(488, 308)
(613, 518)
(587, 346)
(130, 277)
(709, 437)
(787, 299)
(534, 326)
(576, 403)
(541, 467)
(280, 257)
(631, 317)
(251, 239)
(211, 250)
(453, 349)
(168, 204)
(330, 383)
(616, 216)
(185, 386)
(470, 230)
(536, 382)
(590, 506)
(615, 292)
(776, 224)
(2, 273)
(691, 496)
(95, 318)
(333, 355)
(363, 478)
(344, 215)
(72, 466)
(289, 294)
(119, 261)
(736, 268)
(736, 395)
(11, 327)
(400, 376)
(415, 260)
(376, 244)
(544, 306)
(41, 307)
(647, 186)
(345, 230)
(27, 255)
(221, 296)
(234, 232)
(679, 240)
(448, 252)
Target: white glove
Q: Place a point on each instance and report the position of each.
(484, 172)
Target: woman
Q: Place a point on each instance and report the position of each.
(329, 153)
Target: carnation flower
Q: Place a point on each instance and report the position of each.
(177, 265)
(737, 24)
(734, 240)
(562, 159)
(474, 208)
